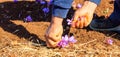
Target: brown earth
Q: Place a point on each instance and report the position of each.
(26, 39)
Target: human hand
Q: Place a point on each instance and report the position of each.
(54, 32)
(84, 15)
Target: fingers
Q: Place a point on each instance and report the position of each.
(52, 40)
(85, 22)
(73, 24)
(53, 37)
(51, 43)
(48, 43)
(79, 23)
(88, 20)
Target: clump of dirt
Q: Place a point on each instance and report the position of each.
(21, 39)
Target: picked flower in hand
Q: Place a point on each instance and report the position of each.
(79, 5)
(69, 22)
(75, 22)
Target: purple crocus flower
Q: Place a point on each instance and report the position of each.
(28, 19)
(45, 10)
(66, 40)
(109, 41)
(72, 39)
(63, 42)
(42, 2)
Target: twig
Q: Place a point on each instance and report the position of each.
(16, 31)
(88, 42)
(113, 34)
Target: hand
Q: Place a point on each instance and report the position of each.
(84, 14)
(54, 32)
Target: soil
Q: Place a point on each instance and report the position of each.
(26, 39)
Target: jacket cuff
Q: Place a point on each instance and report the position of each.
(63, 3)
(60, 12)
(96, 1)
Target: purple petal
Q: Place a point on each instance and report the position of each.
(38, 0)
(45, 10)
(62, 44)
(65, 38)
(69, 21)
(72, 40)
(15, 1)
(42, 2)
(28, 19)
(110, 41)
(79, 6)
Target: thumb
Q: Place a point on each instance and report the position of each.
(88, 19)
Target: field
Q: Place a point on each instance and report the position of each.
(26, 39)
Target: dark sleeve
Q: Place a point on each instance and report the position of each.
(61, 8)
(96, 1)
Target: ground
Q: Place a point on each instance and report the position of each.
(26, 39)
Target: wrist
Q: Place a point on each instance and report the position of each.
(57, 20)
(90, 5)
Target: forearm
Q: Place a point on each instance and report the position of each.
(91, 5)
(56, 20)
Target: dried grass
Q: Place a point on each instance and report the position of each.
(15, 49)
